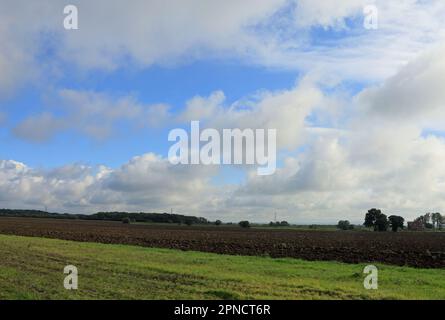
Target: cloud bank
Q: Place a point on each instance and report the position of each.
(361, 128)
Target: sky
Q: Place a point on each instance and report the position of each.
(359, 112)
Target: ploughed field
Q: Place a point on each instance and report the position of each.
(418, 249)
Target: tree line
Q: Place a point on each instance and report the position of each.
(126, 217)
(379, 221)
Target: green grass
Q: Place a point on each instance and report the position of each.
(32, 268)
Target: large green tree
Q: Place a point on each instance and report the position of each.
(344, 225)
(376, 219)
(396, 222)
(244, 224)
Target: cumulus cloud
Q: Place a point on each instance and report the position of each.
(330, 182)
(283, 110)
(39, 128)
(337, 176)
(91, 113)
(375, 159)
(381, 158)
(377, 154)
(97, 114)
(115, 33)
(21, 30)
(414, 94)
(146, 182)
(153, 32)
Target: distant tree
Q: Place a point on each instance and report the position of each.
(421, 220)
(218, 222)
(426, 219)
(203, 220)
(376, 219)
(344, 225)
(188, 222)
(244, 224)
(396, 222)
(371, 217)
(437, 220)
(126, 220)
(279, 224)
(429, 225)
(381, 224)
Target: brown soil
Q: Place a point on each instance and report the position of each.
(418, 249)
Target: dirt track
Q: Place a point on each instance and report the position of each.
(403, 248)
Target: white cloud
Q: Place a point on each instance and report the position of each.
(381, 158)
(415, 94)
(91, 113)
(338, 176)
(39, 128)
(98, 115)
(116, 33)
(327, 13)
(153, 32)
(328, 182)
(376, 156)
(376, 159)
(284, 110)
(147, 182)
(405, 29)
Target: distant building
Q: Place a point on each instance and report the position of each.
(416, 225)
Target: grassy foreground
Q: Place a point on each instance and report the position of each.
(32, 268)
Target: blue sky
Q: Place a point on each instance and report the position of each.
(85, 114)
(157, 84)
